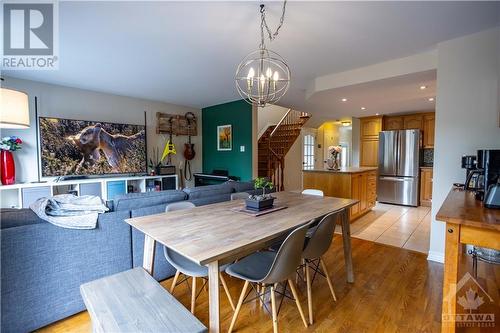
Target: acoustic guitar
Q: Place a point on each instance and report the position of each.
(189, 152)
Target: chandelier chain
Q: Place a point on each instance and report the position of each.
(263, 24)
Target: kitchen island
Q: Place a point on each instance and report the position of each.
(351, 182)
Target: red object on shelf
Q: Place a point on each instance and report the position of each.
(7, 168)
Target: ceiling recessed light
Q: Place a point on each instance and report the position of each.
(431, 99)
(377, 114)
(423, 87)
(363, 108)
(344, 99)
(346, 123)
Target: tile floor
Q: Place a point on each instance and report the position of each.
(404, 227)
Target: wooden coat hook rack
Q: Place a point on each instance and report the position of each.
(179, 124)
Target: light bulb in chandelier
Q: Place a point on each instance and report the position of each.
(269, 73)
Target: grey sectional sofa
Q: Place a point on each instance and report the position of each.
(42, 266)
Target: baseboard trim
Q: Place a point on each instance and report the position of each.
(436, 256)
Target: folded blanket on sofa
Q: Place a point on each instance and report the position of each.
(70, 211)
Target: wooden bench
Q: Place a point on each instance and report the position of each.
(132, 301)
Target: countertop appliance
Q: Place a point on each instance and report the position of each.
(488, 160)
(469, 163)
(399, 162)
(492, 197)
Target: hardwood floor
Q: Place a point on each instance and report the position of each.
(396, 290)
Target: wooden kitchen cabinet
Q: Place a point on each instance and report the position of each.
(393, 123)
(355, 193)
(370, 127)
(363, 188)
(352, 183)
(369, 152)
(413, 121)
(428, 128)
(426, 186)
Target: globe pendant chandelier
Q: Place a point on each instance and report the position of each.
(263, 76)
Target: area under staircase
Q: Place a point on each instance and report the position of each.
(274, 144)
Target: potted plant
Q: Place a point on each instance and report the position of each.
(262, 201)
(7, 167)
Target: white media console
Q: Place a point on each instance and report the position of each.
(23, 194)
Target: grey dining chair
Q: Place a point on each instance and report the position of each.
(187, 267)
(316, 245)
(239, 195)
(268, 268)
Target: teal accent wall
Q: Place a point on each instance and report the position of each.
(239, 115)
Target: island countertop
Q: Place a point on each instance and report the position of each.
(344, 170)
(358, 183)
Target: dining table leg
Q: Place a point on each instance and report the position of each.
(213, 296)
(148, 258)
(346, 239)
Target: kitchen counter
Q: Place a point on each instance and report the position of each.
(344, 170)
(467, 222)
(352, 183)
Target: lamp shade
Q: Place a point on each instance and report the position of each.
(14, 109)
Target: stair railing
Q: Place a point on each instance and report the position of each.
(279, 143)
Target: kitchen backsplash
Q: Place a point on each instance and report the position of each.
(428, 159)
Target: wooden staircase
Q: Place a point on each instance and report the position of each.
(275, 143)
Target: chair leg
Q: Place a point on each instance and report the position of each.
(330, 285)
(238, 306)
(174, 281)
(226, 289)
(296, 296)
(262, 299)
(193, 295)
(274, 311)
(309, 293)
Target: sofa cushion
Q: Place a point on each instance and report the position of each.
(210, 190)
(10, 217)
(210, 199)
(44, 265)
(133, 201)
(241, 186)
(162, 269)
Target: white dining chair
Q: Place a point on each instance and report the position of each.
(313, 192)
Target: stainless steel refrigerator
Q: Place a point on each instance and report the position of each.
(398, 163)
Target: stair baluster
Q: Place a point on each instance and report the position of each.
(275, 143)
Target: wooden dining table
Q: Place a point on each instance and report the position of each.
(216, 234)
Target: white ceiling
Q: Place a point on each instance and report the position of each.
(394, 95)
(187, 52)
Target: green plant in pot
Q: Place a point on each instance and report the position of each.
(262, 201)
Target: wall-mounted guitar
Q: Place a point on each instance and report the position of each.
(189, 152)
(169, 146)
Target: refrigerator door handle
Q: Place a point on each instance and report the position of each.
(398, 150)
(396, 179)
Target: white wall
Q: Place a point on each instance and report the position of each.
(65, 102)
(269, 115)
(293, 165)
(355, 142)
(467, 114)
